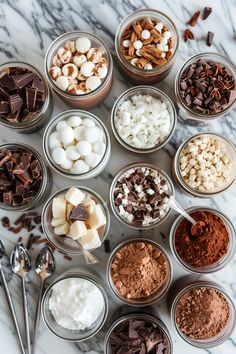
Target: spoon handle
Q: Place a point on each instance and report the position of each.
(38, 313)
(172, 203)
(12, 309)
(26, 315)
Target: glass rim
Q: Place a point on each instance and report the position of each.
(121, 99)
(55, 43)
(202, 116)
(76, 275)
(63, 190)
(156, 296)
(52, 124)
(184, 185)
(120, 31)
(222, 262)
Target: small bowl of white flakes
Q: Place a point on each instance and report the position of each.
(143, 119)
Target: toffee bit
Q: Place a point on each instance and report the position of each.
(188, 35)
(206, 12)
(193, 20)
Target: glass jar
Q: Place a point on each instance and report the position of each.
(45, 186)
(223, 261)
(43, 116)
(194, 192)
(144, 90)
(138, 316)
(124, 221)
(68, 334)
(51, 127)
(64, 244)
(224, 334)
(86, 100)
(189, 115)
(156, 296)
(145, 76)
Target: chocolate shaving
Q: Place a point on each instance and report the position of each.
(193, 20)
(188, 35)
(206, 12)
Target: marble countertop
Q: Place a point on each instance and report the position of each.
(27, 27)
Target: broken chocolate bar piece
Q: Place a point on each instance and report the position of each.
(78, 213)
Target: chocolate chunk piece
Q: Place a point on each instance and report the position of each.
(7, 82)
(30, 98)
(78, 213)
(4, 107)
(16, 103)
(188, 35)
(38, 85)
(209, 40)
(206, 12)
(193, 20)
(7, 198)
(5, 221)
(23, 79)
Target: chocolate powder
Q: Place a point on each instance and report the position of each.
(139, 270)
(205, 243)
(202, 313)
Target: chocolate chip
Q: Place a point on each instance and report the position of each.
(188, 35)
(78, 213)
(193, 20)
(209, 40)
(206, 12)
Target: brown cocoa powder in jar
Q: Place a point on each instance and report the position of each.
(138, 270)
(202, 313)
(206, 243)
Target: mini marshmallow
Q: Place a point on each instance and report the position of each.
(62, 83)
(167, 34)
(80, 167)
(83, 45)
(99, 147)
(54, 141)
(81, 77)
(163, 41)
(77, 229)
(64, 55)
(87, 69)
(84, 148)
(92, 134)
(145, 34)
(92, 159)
(66, 134)
(60, 125)
(97, 218)
(67, 164)
(55, 72)
(59, 155)
(126, 43)
(138, 53)
(101, 71)
(72, 153)
(91, 240)
(70, 71)
(57, 221)
(134, 61)
(79, 59)
(76, 90)
(94, 55)
(59, 208)
(62, 229)
(159, 26)
(87, 122)
(137, 44)
(165, 48)
(93, 82)
(79, 133)
(148, 66)
(126, 116)
(74, 196)
(74, 121)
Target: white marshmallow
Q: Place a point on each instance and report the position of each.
(57, 221)
(165, 48)
(77, 229)
(66, 134)
(67, 164)
(148, 66)
(74, 196)
(137, 44)
(97, 218)
(92, 134)
(61, 124)
(87, 122)
(79, 133)
(93, 82)
(54, 141)
(145, 34)
(126, 43)
(83, 44)
(101, 71)
(99, 147)
(72, 153)
(62, 229)
(84, 148)
(79, 59)
(62, 83)
(70, 71)
(79, 167)
(91, 240)
(64, 54)
(59, 208)
(87, 69)
(159, 26)
(59, 155)
(167, 34)
(160, 47)
(94, 55)
(92, 159)
(74, 121)
(134, 61)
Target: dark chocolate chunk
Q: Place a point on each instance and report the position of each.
(38, 85)
(78, 213)
(107, 246)
(8, 198)
(5, 221)
(209, 40)
(206, 12)
(7, 82)
(23, 79)
(16, 103)
(193, 20)
(30, 98)
(4, 107)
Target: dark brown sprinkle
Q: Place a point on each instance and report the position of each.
(188, 35)
(206, 12)
(107, 246)
(31, 240)
(22, 95)
(5, 221)
(20, 239)
(193, 20)
(209, 40)
(67, 257)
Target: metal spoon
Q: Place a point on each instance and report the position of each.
(89, 257)
(21, 265)
(9, 299)
(44, 267)
(172, 203)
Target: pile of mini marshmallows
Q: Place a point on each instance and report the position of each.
(79, 68)
(143, 121)
(77, 145)
(205, 164)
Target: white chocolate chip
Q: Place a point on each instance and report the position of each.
(126, 43)
(137, 44)
(145, 34)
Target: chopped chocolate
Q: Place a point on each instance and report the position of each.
(206, 12)
(193, 20)
(209, 40)
(78, 213)
(5, 221)
(23, 79)
(188, 35)
(107, 246)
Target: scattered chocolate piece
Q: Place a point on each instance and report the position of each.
(78, 213)
(67, 257)
(193, 20)
(21, 94)
(5, 221)
(188, 35)
(107, 246)
(206, 12)
(209, 40)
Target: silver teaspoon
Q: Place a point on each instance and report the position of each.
(44, 267)
(21, 265)
(9, 299)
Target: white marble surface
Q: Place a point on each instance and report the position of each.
(27, 27)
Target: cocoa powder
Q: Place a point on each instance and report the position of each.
(202, 313)
(205, 243)
(138, 270)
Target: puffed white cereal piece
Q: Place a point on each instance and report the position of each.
(59, 155)
(159, 26)
(92, 159)
(66, 134)
(70, 71)
(148, 66)
(79, 133)
(79, 167)
(167, 34)
(79, 59)
(67, 164)
(94, 55)
(74, 121)
(62, 83)
(137, 44)
(72, 153)
(83, 45)
(54, 141)
(126, 43)
(84, 148)
(145, 34)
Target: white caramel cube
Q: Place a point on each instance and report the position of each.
(77, 229)
(62, 229)
(97, 218)
(74, 196)
(59, 208)
(89, 204)
(90, 240)
(57, 221)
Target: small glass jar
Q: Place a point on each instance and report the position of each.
(44, 188)
(186, 113)
(146, 76)
(65, 244)
(43, 116)
(194, 192)
(226, 332)
(138, 316)
(156, 296)
(144, 90)
(68, 334)
(51, 127)
(223, 261)
(124, 221)
(86, 100)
